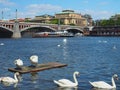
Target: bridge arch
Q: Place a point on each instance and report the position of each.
(34, 26)
(74, 30)
(5, 32)
(2, 27)
(30, 31)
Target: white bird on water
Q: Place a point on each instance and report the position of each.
(104, 85)
(34, 60)
(1, 44)
(10, 79)
(114, 47)
(58, 45)
(64, 40)
(18, 63)
(66, 82)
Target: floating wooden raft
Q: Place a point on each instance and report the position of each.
(39, 67)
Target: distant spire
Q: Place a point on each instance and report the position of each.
(16, 14)
(2, 15)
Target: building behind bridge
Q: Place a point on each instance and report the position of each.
(66, 17)
(69, 17)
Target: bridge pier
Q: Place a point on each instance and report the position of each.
(16, 31)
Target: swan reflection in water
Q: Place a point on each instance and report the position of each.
(34, 77)
(7, 84)
(102, 89)
(67, 88)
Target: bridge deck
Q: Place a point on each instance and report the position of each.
(39, 67)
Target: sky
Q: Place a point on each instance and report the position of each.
(98, 9)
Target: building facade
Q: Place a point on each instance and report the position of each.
(69, 17)
(66, 17)
(43, 18)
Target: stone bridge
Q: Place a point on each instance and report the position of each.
(18, 29)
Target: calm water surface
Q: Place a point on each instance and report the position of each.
(96, 58)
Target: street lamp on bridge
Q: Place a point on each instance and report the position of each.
(59, 24)
(2, 15)
(16, 17)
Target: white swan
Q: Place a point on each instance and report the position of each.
(1, 44)
(34, 59)
(114, 47)
(102, 84)
(58, 45)
(66, 82)
(9, 79)
(18, 63)
(64, 40)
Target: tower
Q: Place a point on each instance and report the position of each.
(16, 31)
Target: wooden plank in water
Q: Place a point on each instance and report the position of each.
(39, 67)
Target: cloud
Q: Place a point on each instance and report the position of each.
(35, 9)
(102, 14)
(85, 1)
(6, 2)
(5, 9)
(97, 14)
(104, 3)
(40, 9)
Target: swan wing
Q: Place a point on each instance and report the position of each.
(18, 62)
(58, 83)
(8, 79)
(65, 81)
(100, 84)
(34, 59)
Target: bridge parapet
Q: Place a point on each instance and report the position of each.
(22, 26)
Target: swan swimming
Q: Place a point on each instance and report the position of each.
(1, 44)
(34, 59)
(114, 47)
(18, 63)
(66, 82)
(9, 79)
(58, 45)
(64, 40)
(102, 84)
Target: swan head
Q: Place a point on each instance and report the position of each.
(76, 73)
(34, 59)
(115, 76)
(17, 73)
(18, 63)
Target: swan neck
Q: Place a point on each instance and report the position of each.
(15, 76)
(113, 83)
(75, 79)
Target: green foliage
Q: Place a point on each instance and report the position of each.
(72, 24)
(109, 22)
(54, 21)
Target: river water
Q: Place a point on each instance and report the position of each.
(96, 58)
